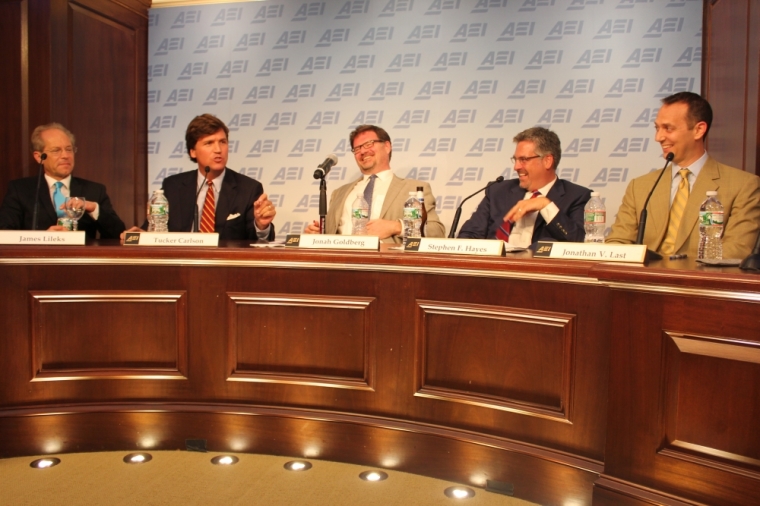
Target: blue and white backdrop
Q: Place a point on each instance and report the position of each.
(451, 80)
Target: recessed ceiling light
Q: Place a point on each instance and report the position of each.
(45, 463)
(459, 492)
(225, 460)
(298, 465)
(138, 458)
(373, 476)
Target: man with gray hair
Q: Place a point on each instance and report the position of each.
(54, 147)
(535, 206)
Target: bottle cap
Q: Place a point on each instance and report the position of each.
(420, 188)
(712, 193)
(594, 194)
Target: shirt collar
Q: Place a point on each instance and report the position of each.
(383, 175)
(694, 168)
(66, 181)
(545, 189)
(217, 182)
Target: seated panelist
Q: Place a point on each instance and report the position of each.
(384, 192)
(672, 226)
(537, 205)
(54, 147)
(229, 203)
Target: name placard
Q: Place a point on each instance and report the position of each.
(324, 241)
(170, 239)
(599, 252)
(483, 247)
(42, 237)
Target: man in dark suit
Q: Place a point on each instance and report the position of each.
(54, 147)
(231, 204)
(537, 206)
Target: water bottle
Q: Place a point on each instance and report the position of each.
(158, 212)
(412, 217)
(594, 219)
(421, 200)
(710, 228)
(359, 215)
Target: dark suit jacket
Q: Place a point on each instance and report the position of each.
(567, 226)
(17, 210)
(237, 196)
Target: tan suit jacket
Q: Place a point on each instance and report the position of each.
(393, 206)
(738, 191)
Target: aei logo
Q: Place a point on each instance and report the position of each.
(422, 32)
(252, 39)
(310, 9)
(439, 145)
(186, 18)
(259, 93)
(463, 174)
(323, 118)
(605, 115)
(381, 33)
(304, 146)
(394, 6)
(516, 29)
(506, 116)
(413, 117)
(402, 61)
(352, 7)
(263, 147)
(630, 145)
(286, 174)
(486, 145)
(581, 145)
(239, 121)
(643, 55)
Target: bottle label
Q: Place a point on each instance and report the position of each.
(358, 213)
(707, 218)
(158, 209)
(411, 213)
(595, 216)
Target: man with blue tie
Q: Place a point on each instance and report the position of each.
(55, 147)
(537, 205)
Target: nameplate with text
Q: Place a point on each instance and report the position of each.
(323, 241)
(42, 237)
(170, 239)
(483, 247)
(596, 252)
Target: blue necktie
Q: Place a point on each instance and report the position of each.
(368, 190)
(59, 199)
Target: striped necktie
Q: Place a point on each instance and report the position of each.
(676, 213)
(209, 209)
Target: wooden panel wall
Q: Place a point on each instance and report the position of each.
(731, 68)
(81, 63)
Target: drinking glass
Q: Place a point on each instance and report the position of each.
(74, 207)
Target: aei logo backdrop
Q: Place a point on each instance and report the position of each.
(451, 80)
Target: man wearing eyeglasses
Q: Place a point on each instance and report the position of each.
(535, 206)
(54, 147)
(387, 192)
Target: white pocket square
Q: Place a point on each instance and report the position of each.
(232, 216)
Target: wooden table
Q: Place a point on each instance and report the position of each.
(577, 382)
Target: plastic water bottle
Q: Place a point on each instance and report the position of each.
(412, 217)
(421, 200)
(359, 215)
(158, 212)
(710, 228)
(594, 219)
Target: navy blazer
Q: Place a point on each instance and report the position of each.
(567, 226)
(237, 196)
(17, 210)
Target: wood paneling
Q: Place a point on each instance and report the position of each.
(731, 73)
(287, 338)
(67, 346)
(522, 363)
(82, 64)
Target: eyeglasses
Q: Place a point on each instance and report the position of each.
(525, 159)
(366, 145)
(57, 151)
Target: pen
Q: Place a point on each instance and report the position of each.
(677, 257)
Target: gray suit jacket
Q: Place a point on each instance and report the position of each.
(393, 206)
(738, 191)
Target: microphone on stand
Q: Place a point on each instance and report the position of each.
(43, 156)
(458, 213)
(197, 227)
(643, 216)
(752, 262)
(324, 168)
(321, 173)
